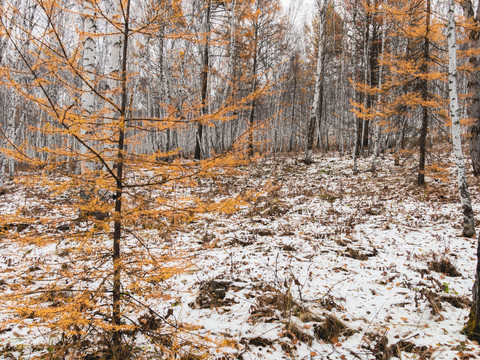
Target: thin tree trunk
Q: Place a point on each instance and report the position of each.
(251, 117)
(356, 149)
(199, 150)
(317, 98)
(292, 119)
(473, 84)
(117, 230)
(378, 133)
(468, 218)
(472, 328)
(425, 97)
(367, 100)
(89, 60)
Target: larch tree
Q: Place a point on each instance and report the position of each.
(413, 69)
(93, 296)
(258, 36)
(423, 87)
(368, 84)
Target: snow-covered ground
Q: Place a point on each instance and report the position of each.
(322, 264)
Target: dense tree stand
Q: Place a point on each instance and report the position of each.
(154, 194)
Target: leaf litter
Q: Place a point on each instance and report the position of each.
(323, 264)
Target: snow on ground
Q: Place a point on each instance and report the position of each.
(323, 264)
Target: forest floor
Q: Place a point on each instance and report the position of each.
(323, 264)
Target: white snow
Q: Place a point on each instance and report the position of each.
(299, 237)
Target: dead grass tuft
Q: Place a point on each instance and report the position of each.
(294, 333)
(212, 294)
(263, 232)
(378, 345)
(355, 254)
(257, 341)
(331, 328)
(305, 315)
(358, 255)
(328, 302)
(444, 266)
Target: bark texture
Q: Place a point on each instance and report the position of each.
(468, 218)
(317, 98)
(473, 84)
(425, 97)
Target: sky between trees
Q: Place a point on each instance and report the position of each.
(304, 10)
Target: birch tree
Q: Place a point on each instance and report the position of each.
(89, 62)
(468, 218)
(356, 121)
(315, 109)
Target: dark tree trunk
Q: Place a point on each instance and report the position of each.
(251, 118)
(425, 97)
(293, 129)
(358, 133)
(473, 85)
(117, 229)
(474, 140)
(375, 47)
(251, 122)
(423, 147)
(204, 81)
(366, 129)
(472, 329)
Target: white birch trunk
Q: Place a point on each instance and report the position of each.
(322, 10)
(468, 218)
(113, 67)
(356, 145)
(113, 78)
(89, 61)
